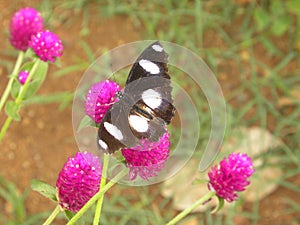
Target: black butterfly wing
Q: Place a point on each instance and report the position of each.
(150, 72)
(114, 131)
(146, 106)
(149, 86)
(107, 140)
(153, 54)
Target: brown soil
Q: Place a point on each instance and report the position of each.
(37, 147)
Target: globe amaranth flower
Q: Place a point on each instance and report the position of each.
(147, 159)
(78, 181)
(231, 176)
(100, 98)
(22, 77)
(46, 45)
(24, 23)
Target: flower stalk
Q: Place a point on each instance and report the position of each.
(12, 77)
(53, 215)
(102, 184)
(24, 88)
(19, 98)
(184, 213)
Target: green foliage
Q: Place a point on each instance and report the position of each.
(86, 122)
(219, 206)
(12, 107)
(69, 214)
(12, 110)
(64, 98)
(274, 16)
(80, 64)
(37, 79)
(293, 6)
(15, 89)
(16, 200)
(44, 189)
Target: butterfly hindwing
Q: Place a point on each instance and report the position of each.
(114, 131)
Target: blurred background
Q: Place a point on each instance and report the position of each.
(251, 46)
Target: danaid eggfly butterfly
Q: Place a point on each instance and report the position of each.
(144, 108)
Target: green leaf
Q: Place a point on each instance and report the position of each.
(84, 31)
(44, 189)
(277, 8)
(269, 45)
(64, 98)
(88, 51)
(29, 53)
(262, 18)
(219, 206)
(293, 6)
(37, 79)
(15, 88)
(70, 69)
(86, 122)
(12, 110)
(69, 214)
(58, 62)
(281, 25)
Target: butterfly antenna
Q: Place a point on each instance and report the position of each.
(119, 94)
(113, 73)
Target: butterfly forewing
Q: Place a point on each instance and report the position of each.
(152, 62)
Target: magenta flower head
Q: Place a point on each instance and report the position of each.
(231, 176)
(78, 181)
(24, 23)
(148, 159)
(46, 45)
(22, 77)
(100, 98)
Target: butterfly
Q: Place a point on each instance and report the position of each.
(145, 106)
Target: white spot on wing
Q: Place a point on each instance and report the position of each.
(151, 98)
(157, 48)
(138, 123)
(149, 66)
(113, 130)
(103, 144)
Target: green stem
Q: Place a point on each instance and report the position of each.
(102, 183)
(13, 75)
(55, 212)
(181, 215)
(97, 196)
(5, 127)
(19, 98)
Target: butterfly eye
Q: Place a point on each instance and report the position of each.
(119, 95)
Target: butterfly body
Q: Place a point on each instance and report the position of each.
(145, 106)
